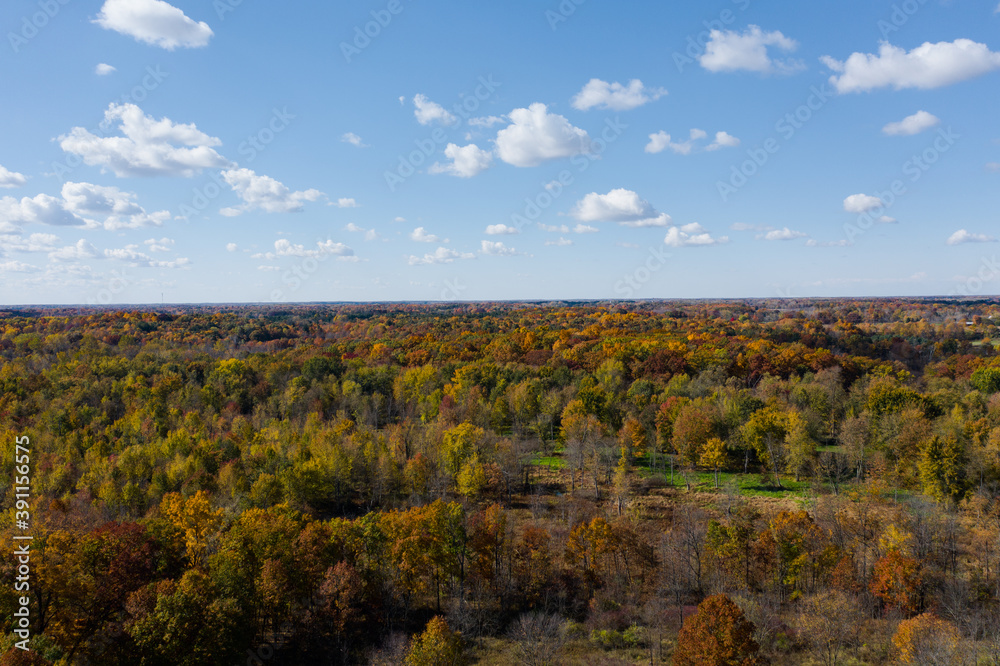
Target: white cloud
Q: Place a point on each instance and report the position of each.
(18, 267)
(785, 234)
(993, 166)
(585, 229)
(622, 206)
(661, 141)
(269, 268)
(497, 249)
(148, 147)
(927, 66)
(861, 203)
(264, 193)
(10, 179)
(885, 219)
(442, 255)
(103, 69)
(285, 248)
(723, 140)
(562, 242)
(963, 236)
(161, 245)
(501, 229)
(428, 112)
(232, 247)
(33, 243)
(345, 202)
(131, 255)
(615, 96)
(691, 235)
(41, 209)
(910, 125)
(399, 219)
(108, 207)
(353, 139)
(82, 250)
(535, 135)
(743, 226)
(420, 235)
(486, 121)
(466, 161)
(562, 228)
(729, 51)
(153, 22)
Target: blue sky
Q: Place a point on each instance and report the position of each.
(236, 151)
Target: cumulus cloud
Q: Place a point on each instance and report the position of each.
(466, 161)
(963, 236)
(147, 147)
(691, 235)
(729, 51)
(816, 243)
(661, 141)
(108, 207)
(153, 22)
(861, 203)
(159, 245)
(33, 243)
(264, 193)
(723, 140)
(18, 267)
(535, 136)
(785, 234)
(232, 247)
(428, 112)
(910, 125)
(442, 255)
(585, 229)
(560, 228)
(131, 255)
(501, 229)
(285, 248)
(925, 67)
(420, 235)
(81, 250)
(103, 69)
(353, 139)
(614, 96)
(562, 242)
(622, 206)
(346, 202)
(497, 249)
(41, 209)
(10, 179)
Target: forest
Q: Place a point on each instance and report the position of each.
(794, 481)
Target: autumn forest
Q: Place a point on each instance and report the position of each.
(692, 482)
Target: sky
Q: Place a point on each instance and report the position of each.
(405, 150)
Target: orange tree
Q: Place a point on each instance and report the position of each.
(717, 635)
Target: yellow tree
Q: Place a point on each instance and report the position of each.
(195, 519)
(714, 456)
(438, 645)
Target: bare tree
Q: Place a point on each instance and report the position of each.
(538, 639)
